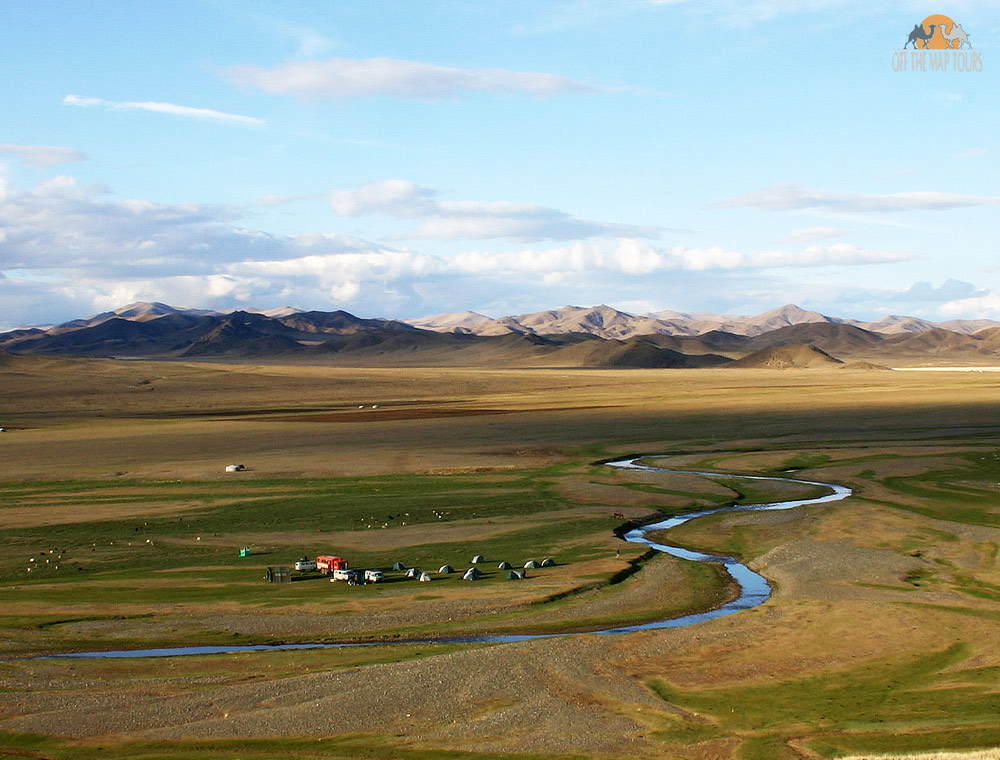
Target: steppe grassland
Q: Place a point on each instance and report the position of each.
(879, 638)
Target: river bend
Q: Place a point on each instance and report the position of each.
(754, 588)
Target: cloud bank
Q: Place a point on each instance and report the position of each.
(392, 77)
(43, 156)
(455, 220)
(795, 197)
(67, 249)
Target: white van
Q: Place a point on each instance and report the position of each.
(344, 575)
(305, 565)
(374, 576)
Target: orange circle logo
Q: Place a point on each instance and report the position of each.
(937, 32)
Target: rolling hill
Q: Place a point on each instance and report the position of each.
(598, 337)
(798, 356)
(834, 338)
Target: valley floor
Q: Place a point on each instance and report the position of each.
(880, 636)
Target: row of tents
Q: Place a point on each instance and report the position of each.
(473, 573)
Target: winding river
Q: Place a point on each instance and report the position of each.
(754, 588)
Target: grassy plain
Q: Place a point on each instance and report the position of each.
(881, 635)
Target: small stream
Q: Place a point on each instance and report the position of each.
(754, 588)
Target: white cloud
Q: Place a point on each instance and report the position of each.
(633, 257)
(472, 220)
(795, 197)
(950, 290)
(986, 306)
(171, 109)
(839, 254)
(67, 251)
(391, 77)
(394, 197)
(62, 224)
(43, 156)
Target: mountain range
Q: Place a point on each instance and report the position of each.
(572, 336)
(606, 322)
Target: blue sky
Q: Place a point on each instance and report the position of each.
(401, 159)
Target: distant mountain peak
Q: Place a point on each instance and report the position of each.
(144, 307)
(281, 311)
(150, 309)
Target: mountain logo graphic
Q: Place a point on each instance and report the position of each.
(938, 32)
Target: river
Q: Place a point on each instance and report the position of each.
(754, 588)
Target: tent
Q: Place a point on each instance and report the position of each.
(413, 572)
(504, 565)
(445, 569)
(472, 575)
(478, 558)
(530, 564)
(278, 575)
(515, 575)
(547, 563)
(397, 566)
(425, 577)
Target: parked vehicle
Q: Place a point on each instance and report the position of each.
(374, 576)
(326, 564)
(344, 574)
(305, 565)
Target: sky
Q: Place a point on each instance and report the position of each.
(399, 159)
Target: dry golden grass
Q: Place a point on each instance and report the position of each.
(986, 754)
(102, 418)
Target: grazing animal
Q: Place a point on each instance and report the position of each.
(918, 33)
(956, 33)
(619, 516)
